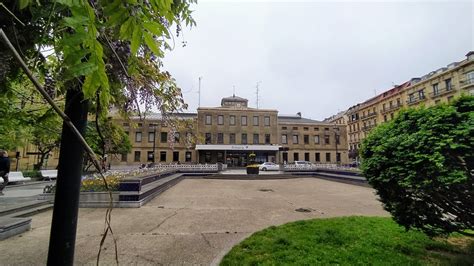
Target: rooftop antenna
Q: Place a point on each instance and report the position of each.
(258, 83)
(199, 92)
(233, 91)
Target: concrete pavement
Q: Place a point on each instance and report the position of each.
(197, 221)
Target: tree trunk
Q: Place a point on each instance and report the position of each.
(66, 201)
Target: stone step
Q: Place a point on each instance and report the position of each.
(32, 211)
(10, 226)
(23, 207)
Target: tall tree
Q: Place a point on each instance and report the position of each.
(108, 52)
(421, 165)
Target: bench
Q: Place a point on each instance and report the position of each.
(49, 174)
(14, 177)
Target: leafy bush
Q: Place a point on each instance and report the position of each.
(421, 164)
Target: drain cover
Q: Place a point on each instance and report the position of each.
(304, 210)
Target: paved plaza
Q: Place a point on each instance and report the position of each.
(197, 221)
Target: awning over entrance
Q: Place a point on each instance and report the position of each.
(215, 147)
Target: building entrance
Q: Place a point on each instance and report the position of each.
(236, 159)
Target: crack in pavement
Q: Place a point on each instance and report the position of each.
(206, 240)
(162, 222)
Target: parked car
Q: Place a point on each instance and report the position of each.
(269, 166)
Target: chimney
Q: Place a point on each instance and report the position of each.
(298, 114)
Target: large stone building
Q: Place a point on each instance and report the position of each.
(229, 133)
(438, 86)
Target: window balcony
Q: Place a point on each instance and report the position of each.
(369, 115)
(368, 127)
(442, 92)
(391, 108)
(469, 82)
(415, 100)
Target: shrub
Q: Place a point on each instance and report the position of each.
(421, 165)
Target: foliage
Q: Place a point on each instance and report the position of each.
(421, 165)
(115, 140)
(345, 241)
(46, 134)
(98, 185)
(32, 174)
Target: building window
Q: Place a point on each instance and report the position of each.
(220, 157)
(208, 138)
(296, 156)
(326, 139)
(283, 128)
(151, 136)
(337, 140)
(306, 139)
(326, 128)
(124, 157)
(306, 156)
(220, 138)
(385, 118)
(220, 119)
(470, 77)
(243, 120)
(305, 128)
(232, 138)
(316, 139)
(255, 120)
(139, 124)
(317, 157)
(176, 137)
(284, 139)
(435, 89)
(255, 138)
(137, 156)
(421, 94)
(162, 156)
(328, 157)
(232, 120)
(138, 136)
(295, 139)
(208, 120)
(207, 157)
(187, 156)
(175, 156)
(295, 128)
(383, 107)
(267, 138)
(164, 137)
(448, 84)
(338, 157)
(266, 121)
(244, 138)
(150, 156)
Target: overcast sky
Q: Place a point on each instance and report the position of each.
(317, 58)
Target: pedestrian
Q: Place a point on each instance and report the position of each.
(4, 169)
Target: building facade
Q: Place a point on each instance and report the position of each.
(439, 86)
(229, 133)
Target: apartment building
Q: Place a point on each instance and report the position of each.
(441, 85)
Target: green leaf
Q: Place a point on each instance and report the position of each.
(75, 21)
(136, 39)
(82, 69)
(151, 43)
(153, 27)
(125, 29)
(24, 3)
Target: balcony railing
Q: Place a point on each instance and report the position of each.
(442, 92)
(369, 115)
(391, 108)
(467, 82)
(415, 100)
(368, 127)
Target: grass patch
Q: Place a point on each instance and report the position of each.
(349, 241)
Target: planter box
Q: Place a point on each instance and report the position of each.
(89, 199)
(252, 170)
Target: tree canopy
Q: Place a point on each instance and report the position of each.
(421, 165)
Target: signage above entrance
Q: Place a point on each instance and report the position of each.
(235, 147)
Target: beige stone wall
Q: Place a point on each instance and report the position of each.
(226, 128)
